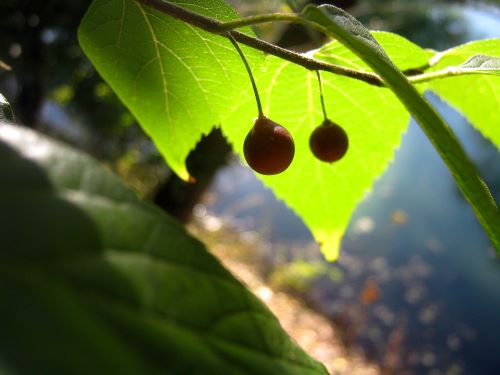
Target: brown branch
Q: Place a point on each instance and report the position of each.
(220, 28)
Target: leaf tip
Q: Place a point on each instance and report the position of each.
(179, 168)
(330, 244)
(185, 176)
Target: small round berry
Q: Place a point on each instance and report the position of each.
(268, 147)
(329, 142)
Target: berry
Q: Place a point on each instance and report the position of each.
(329, 142)
(268, 147)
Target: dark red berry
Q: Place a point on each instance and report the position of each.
(268, 147)
(329, 142)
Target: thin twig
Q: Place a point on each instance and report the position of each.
(450, 71)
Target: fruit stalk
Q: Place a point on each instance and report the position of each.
(320, 82)
(247, 66)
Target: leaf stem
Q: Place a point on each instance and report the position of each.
(261, 18)
(214, 26)
(320, 83)
(249, 71)
(450, 71)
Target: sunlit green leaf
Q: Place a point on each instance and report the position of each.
(177, 80)
(92, 280)
(325, 195)
(341, 25)
(476, 96)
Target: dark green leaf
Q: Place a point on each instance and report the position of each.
(92, 280)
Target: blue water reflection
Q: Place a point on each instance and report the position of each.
(420, 290)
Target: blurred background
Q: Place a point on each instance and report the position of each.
(417, 286)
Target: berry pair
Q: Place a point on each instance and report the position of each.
(269, 147)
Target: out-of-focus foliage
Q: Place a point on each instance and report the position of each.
(53, 87)
(38, 40)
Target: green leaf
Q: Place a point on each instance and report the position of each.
(177, 80)
(476, 96)
(324, 195)
(403, 53)
(6, 113)
(352, 34)
(92, 280)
